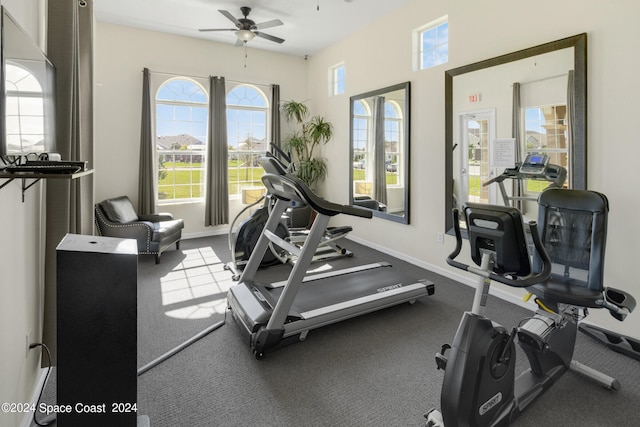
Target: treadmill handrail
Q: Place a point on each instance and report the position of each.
(290, 187)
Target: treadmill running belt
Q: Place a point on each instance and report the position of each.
(333, 290)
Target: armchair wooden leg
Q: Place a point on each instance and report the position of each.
(178, 245)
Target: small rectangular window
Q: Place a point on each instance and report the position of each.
(431, 44)
(336, 79)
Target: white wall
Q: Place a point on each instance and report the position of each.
(121, 54)
(21, 265)
(380, 55)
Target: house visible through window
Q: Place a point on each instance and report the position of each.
(363, 149)
(247, 113)
(546, 132)
(431, 44)
(392, 140)
(360, 136)
(181, 129)
(336, 79)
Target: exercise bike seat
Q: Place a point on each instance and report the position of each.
(573, 230)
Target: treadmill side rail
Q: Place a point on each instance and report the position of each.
(345, 310)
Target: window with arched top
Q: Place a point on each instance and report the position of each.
(181, 139)
(361, 137)
(25, 119)
(393, 140)
(247, 122)
(362, 140)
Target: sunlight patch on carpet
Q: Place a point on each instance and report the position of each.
(200, 278)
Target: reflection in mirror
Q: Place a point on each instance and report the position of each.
(27, 81)
(379, 134)
(516, 125)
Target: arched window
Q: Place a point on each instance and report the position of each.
(247, 121)
(393, 140)
(24, 110)
(363, 149)
(361, 130)
(181, 130)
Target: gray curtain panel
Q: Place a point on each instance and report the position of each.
(69, 206)
(379, 154)
(146, 181)
(275, 115)
(516, 129)
(217, 185)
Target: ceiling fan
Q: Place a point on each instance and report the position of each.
(246, 29)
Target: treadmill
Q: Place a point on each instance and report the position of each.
(274, 314)
(535, 166)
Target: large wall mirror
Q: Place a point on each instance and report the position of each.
(379, 136)
(532, 103)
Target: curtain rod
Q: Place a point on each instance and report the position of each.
(206, 78)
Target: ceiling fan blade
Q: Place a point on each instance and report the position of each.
(218, 29)
(230, 17)
(269, 37)
(268, 24)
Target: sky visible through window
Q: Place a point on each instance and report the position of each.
(181, 110)
(435, 45)
(338, 80)
(246, 115)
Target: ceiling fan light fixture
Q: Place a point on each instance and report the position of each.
(245, 35)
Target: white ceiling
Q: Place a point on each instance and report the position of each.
(306, 30)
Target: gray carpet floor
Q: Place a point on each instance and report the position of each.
(374, 370)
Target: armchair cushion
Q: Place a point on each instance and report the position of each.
(119, 209)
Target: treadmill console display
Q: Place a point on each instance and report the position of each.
(534, 164)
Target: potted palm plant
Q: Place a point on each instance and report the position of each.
(303, 143)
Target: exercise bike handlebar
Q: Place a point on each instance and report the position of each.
(518, 283)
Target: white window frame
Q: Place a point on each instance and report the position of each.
(337, 83)
(560, 124)
(25, 122)
(181, 153)
(253, 154)
(418, 52)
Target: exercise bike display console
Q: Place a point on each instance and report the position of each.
(272, 314)
(480, 387)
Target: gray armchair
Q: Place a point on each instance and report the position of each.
(154, 233)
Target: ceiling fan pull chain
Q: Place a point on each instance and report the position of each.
(245, 54)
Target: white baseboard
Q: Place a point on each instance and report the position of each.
(204, 234)
(28, 416)
(448, 273)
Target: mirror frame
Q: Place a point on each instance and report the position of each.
(406, 86)
(579, 148)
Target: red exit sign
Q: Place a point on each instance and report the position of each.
(473, 98)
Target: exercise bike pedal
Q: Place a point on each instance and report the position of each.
(441, 359)
(434, 419)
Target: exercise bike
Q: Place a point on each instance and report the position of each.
(243, 241)
(480, 387)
